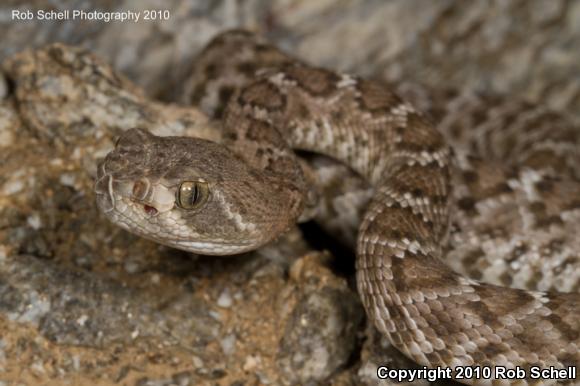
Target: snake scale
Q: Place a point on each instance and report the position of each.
(509, 188)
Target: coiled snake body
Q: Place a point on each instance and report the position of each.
(228, 198)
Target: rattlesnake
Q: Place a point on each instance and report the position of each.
(509, 189)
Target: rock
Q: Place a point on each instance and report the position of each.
(320, 334)
(89, 102)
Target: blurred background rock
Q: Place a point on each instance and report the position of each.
(526, 48)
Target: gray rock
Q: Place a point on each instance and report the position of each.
(75, 307)
(320, 335)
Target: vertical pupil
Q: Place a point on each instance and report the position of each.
(191, 193)
(194, 194)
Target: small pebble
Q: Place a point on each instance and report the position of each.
(34, 221)
(225, 299)
(264, 380)
(12, 187)
(82, 320)
(197, 362)
(251, 363)
(131, 267)
(216, 315)
(76, 362)
(67, 179)
(56, 162)
(228, 344)
(182, 379)
(155, 278)
(38, 368)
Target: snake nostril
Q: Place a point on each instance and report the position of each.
(140, 189)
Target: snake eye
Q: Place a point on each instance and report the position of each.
(192, 194)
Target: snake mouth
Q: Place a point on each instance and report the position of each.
(150, 210)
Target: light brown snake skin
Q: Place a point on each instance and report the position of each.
(511, 192)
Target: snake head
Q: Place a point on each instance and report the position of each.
(191, 194)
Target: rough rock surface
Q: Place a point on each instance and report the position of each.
(485, 46)
(83, 302)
